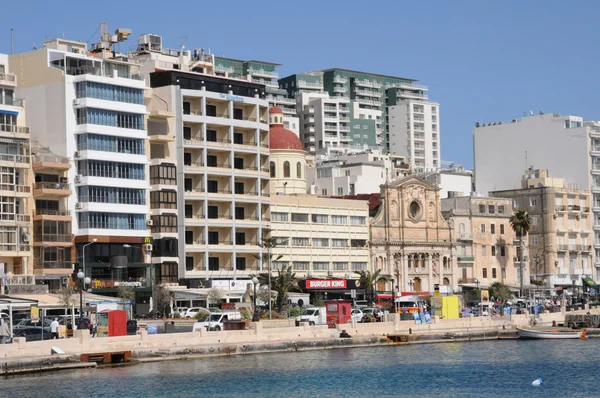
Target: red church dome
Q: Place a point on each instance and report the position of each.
(280, 137)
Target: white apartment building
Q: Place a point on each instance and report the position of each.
(222, 166)
(414, 127)
(566, 146)
(452, 182)
(16, 181)
(88, 106)
(324, 122)
(354, 174)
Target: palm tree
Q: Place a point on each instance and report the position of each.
(284, 282)
(368, 280)
(520, 222)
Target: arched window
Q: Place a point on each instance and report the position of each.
(298, 170)
(286, 169)
(273, 171)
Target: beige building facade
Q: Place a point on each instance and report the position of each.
(410, 239)
(561, 235)
(320, 237)
(486, 244)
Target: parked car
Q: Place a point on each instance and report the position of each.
(193, 311)
(180, 310)
(357, 315)
(27, 323)
(33, 333)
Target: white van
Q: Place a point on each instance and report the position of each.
(313, 315)
(215, 320)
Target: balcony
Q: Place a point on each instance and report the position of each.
(51, 214)
(560, 208)
(288, 111)
(13, 131)
(8, 79)
(12, 219)
(367, 93)
(12, 101)
(41, 162)
(15, 190)
(276, 90)
(516, 259)
(340, 80)
(339, 89)
(464, 236)
(264, 73)
(412, 94)
(51, 189)
(465, 259)
(344, 109)
(265, 82)
(18, 250)
(103, 70)
(467, 280)
(281, 100)
(52, 267)
(367, 83)
(224, 69)
(20, 161)
(365, 101)
(315, 85)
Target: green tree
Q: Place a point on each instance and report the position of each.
(520, 222)
(214, 296)
(126, 293)
(285, 281)
(162, 297)
(268, 243)
(368, 281)
(500, 291)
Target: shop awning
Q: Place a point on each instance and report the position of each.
(590, 282)
(7, 112)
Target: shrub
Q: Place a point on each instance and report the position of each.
(201, 315)
(295, 312)
(274, 315)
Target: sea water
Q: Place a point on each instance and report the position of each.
(503, 368)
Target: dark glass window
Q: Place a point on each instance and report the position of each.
(213, 263)
(213, 238)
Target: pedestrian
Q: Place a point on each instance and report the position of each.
(4, 332)
(54, 329)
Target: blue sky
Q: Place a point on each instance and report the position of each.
(482, 60)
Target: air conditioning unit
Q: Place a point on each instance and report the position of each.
(148, 246)
(78, 178)
(76, 102)
(65, 280)
(26, 237)
(78, 205)
(149, 223)
(76, 154)
(64, 180)
(329, 273)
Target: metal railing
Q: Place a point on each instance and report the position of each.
(12, 101)
(8, 78)
(15, 217)
(51, 212)
(15, 188)
(50, 159)
(465, 258)
(14, 158)
(224, 69)
(52, 238)
(305, 84)
(53, 265)
(52, 185)
(263, 72)
(339, 79)
(193, 164)
(101, 71)
(20, 280)
(14, 247)
(104, 199)
(11, 128)
(367, 83)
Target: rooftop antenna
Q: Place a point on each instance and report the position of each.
(526, 160)
(12, 41)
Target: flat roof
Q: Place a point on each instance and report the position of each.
(369, 73)
(249, 60)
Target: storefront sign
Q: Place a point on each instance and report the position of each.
(130, 284)
(35, 314)
(233, 98)
(326, 284)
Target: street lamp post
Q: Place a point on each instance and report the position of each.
(255, 317)
(480, 298)
(84, 246)
(83, 282)
(126, 246)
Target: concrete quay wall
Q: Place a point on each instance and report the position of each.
(262, 333)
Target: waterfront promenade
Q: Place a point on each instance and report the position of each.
(266, 336)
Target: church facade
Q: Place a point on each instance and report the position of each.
(410, 239)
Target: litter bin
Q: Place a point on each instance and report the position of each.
(170, 327)
(234, 325)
